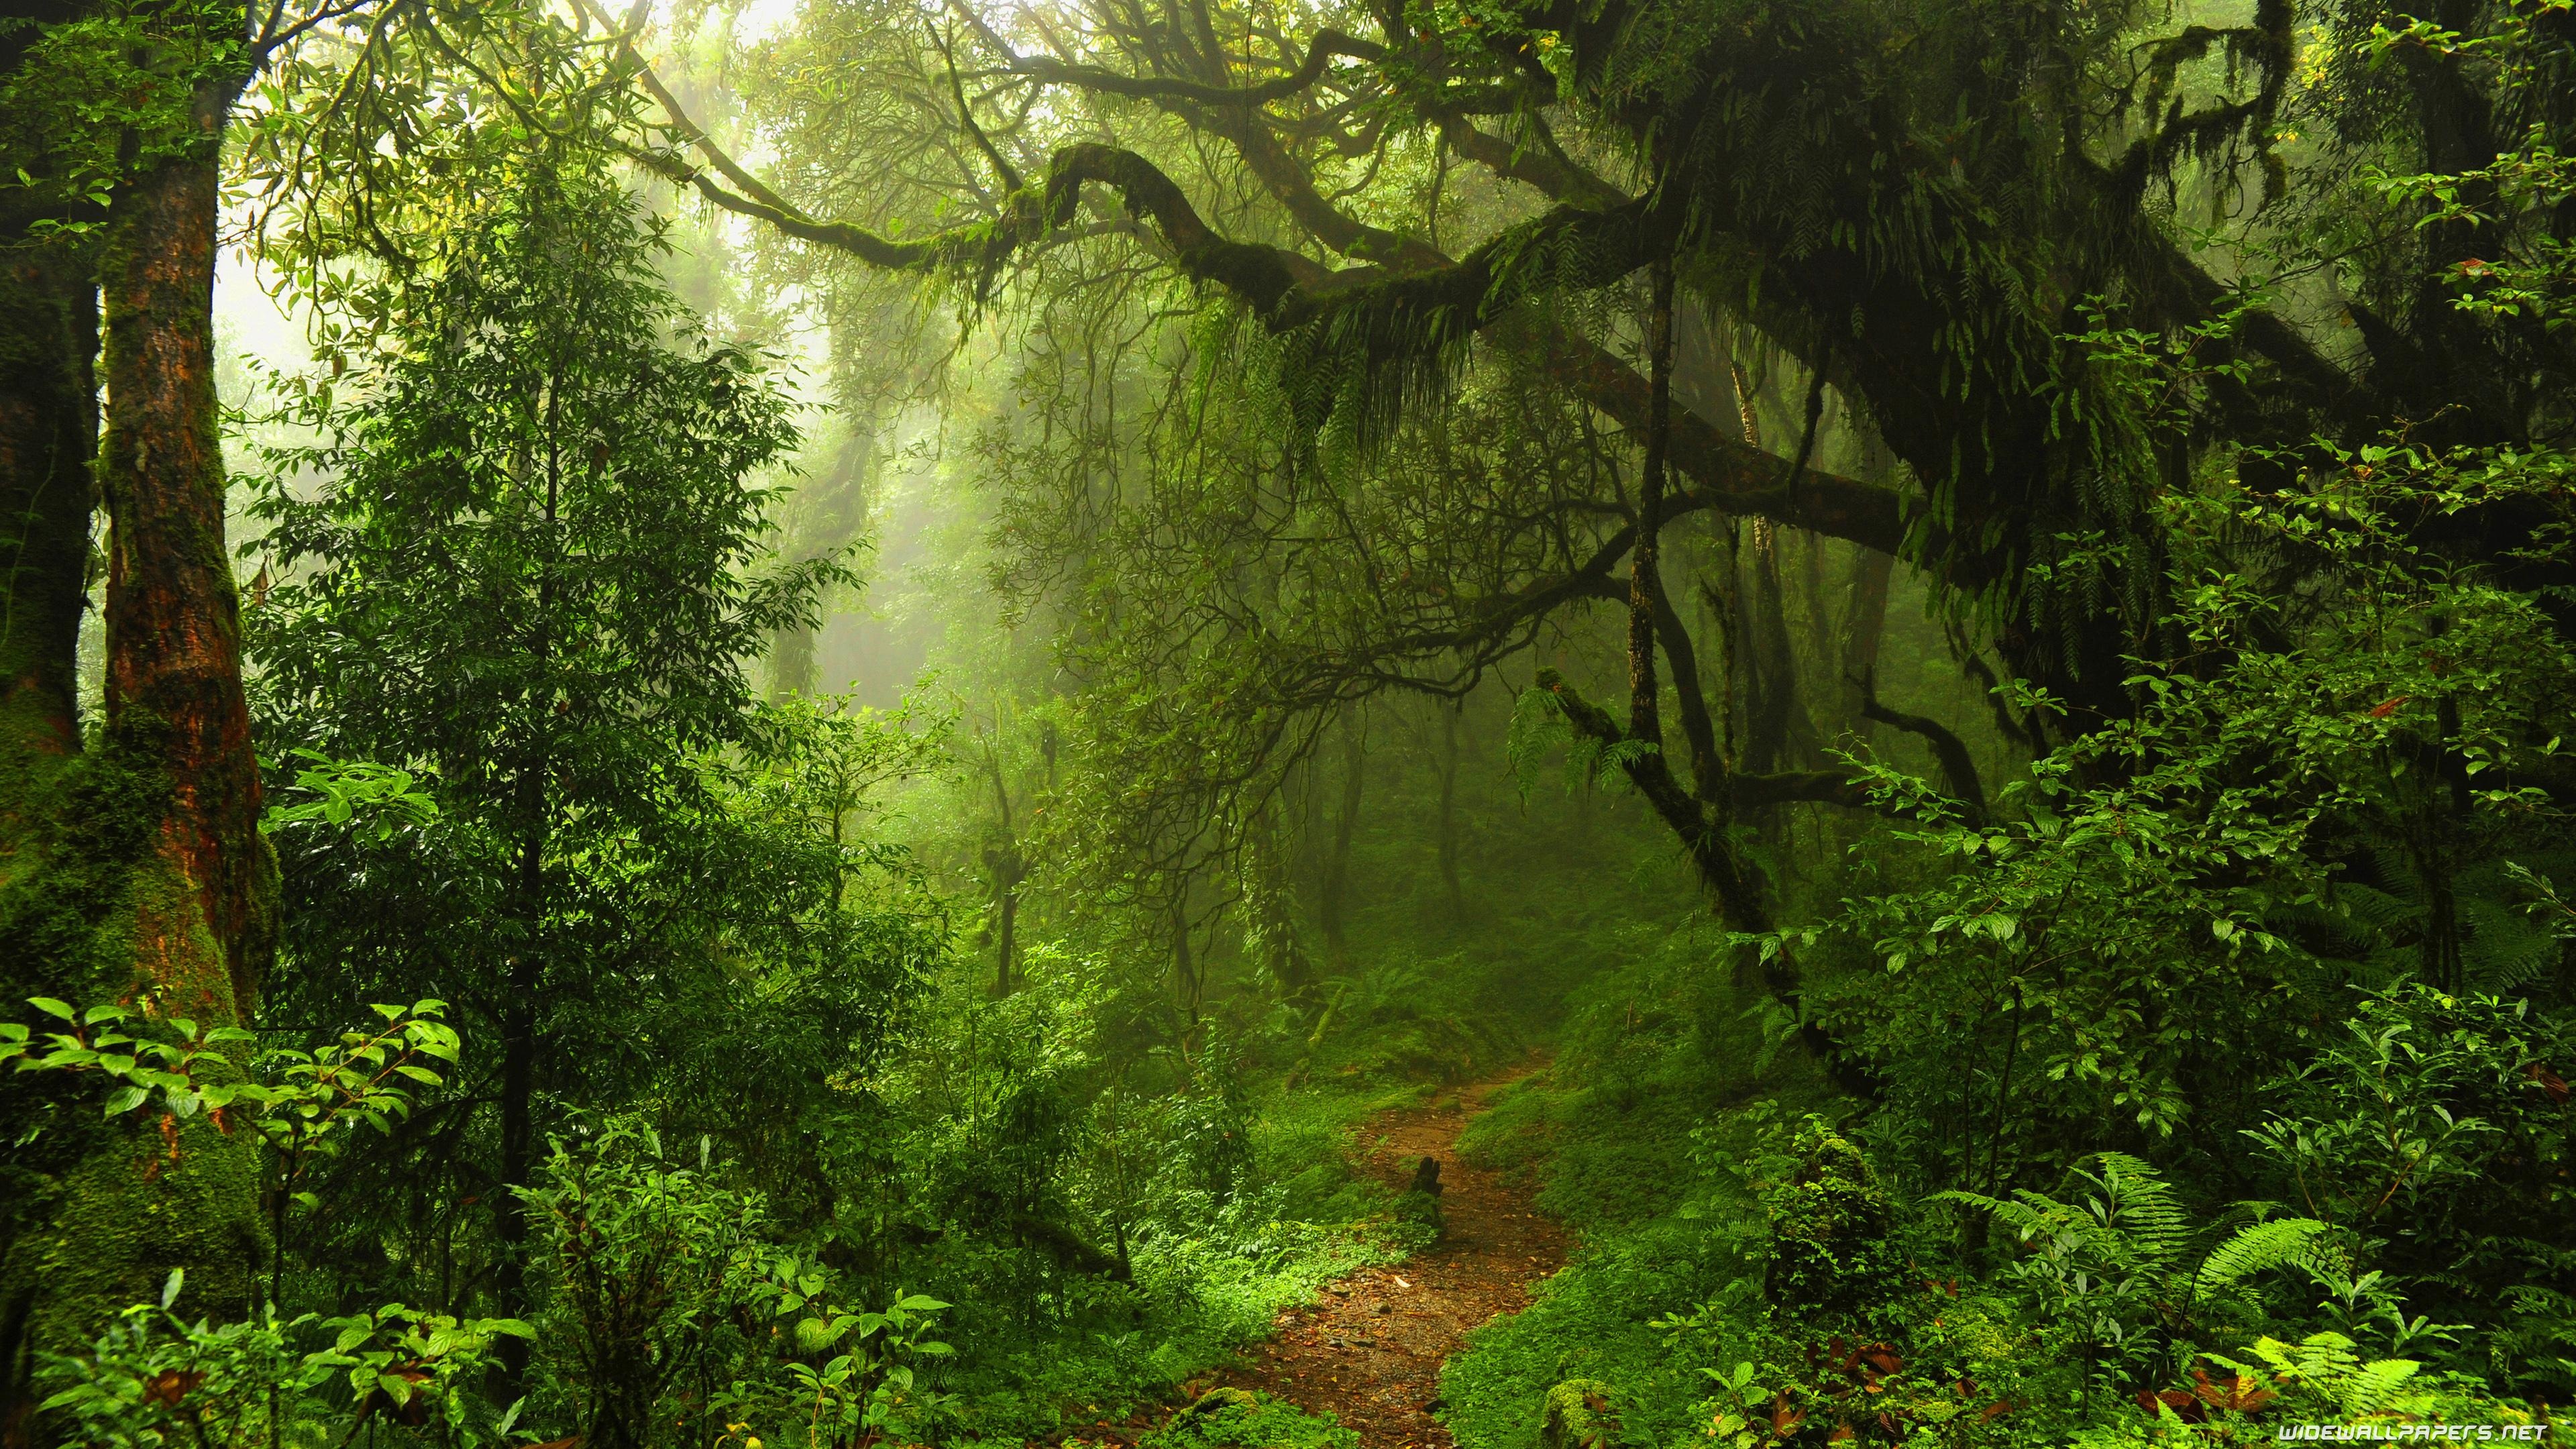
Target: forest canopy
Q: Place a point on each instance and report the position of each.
(941, 722)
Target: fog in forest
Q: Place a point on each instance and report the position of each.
(1425, 724)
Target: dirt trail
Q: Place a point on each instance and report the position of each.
(1371, 1351)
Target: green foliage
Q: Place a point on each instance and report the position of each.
(156, 1379)
(871, 1385)
(2129, 939)
(2117, 1274)
(1830, 1251)
(2375, 1120)
(1539, 728)
(104, 94)
(139, 1065)
(644, 1256)
(335, 793)
(676, 1310)
(522, 552)
(302, 1102)
(2272, 912)
(1243, 1419)
(2431, 1137)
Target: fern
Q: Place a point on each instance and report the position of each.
(2502, 947)
(2253, 1250)
(2066, 1229)
(2375, 1385)
(2029, 1215)
(1538, 726)
(2141, 1208)
(2324, 1366)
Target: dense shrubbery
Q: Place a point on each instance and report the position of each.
(2188, 1059)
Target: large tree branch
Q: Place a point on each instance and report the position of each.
(1645, 580)
(1558, 178)
(1699, 730)
(1327, 44)
(1290, 290)
(1733, 884)
(1958, 767)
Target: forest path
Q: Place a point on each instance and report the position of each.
(1370, 1352)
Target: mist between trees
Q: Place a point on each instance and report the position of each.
(788, 724)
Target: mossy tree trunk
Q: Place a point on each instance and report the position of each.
(173, 614)
(48, 432)
(139, 874)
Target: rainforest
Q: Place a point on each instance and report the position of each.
(1287, 724)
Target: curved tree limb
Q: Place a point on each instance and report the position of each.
(1327, 44)
(1290, 289)
(1958, 767)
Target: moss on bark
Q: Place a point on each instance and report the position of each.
(137, 873)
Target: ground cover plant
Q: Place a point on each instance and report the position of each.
(881, 722)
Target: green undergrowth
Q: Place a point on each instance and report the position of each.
(1301, 1142)
(1242, 1419)
(1194, 1303)
(1438, 992)
(1198, 1297)
(1661, 1086)
(1425, 1001)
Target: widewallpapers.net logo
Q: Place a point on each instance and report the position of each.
(2416, 1433)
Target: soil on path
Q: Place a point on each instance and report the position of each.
(1371, 1351)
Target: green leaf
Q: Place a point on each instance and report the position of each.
(126, 1101)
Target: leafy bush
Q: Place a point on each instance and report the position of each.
(1242, 1419)
(156, 1379)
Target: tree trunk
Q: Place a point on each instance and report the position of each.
(48, 432)
(827, 515)
(1269, 906)
(173, 614)
(791, 662)
(1334, 899)
(148, 882)
(522, 1024)
(519, 1050)
(1002, 860)
(1457, 895)
(1007, 933)
(1771, 666)
(1185, 966)
(1864, 625)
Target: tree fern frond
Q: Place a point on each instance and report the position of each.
(2141, 1208)
(2502, 948)
(2035, 1214)
(2319, 931)
(2254, 1249)
(2374, 1384)
(2375, 909)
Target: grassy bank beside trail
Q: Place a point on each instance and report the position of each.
(1642, 1138)
(1305, 1216)
(1394, 1034)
